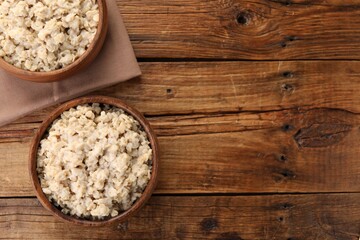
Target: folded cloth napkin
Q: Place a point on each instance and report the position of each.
(115, 63)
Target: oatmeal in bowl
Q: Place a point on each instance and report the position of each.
(45, 39)
(94, 161)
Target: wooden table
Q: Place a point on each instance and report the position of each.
(256, 104)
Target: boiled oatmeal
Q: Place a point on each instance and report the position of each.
(45, 35)
(94, 162)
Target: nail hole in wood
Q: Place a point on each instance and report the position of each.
(288, 74)
(283, 44)
(287, 87)
(283, 158)
(287, 206)
(288, 174)
(290, 38)
(242, 18)
(285, 174)
(287, 127)
(280, 219)
(169, 90)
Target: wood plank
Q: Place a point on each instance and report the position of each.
(281, 151)
(322, 216)
(238, 110)
(213, 87)
(243, 29)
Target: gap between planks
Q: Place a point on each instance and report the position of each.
(214, 194)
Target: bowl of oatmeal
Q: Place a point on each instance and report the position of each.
(49, 40)
(94, 161)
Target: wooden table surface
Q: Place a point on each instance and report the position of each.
(256, 104)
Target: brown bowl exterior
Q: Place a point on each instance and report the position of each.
(42, 130)
(84, 60)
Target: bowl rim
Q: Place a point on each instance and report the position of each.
(102, 26)
(44, 127)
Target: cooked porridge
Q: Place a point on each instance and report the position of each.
(94, 162)
(45, 35)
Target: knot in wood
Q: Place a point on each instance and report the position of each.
(208, 224)
(321, 135)
(243, 18)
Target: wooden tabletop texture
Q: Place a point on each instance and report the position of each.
(256, 106)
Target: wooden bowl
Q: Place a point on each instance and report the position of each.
(84, 60)
(44, 127)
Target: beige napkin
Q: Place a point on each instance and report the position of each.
(115, 63)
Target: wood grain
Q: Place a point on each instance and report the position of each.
(334, 216)
(233, 127)
(243, 29)
(282, 151)
(263, 128)
(223, 87)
